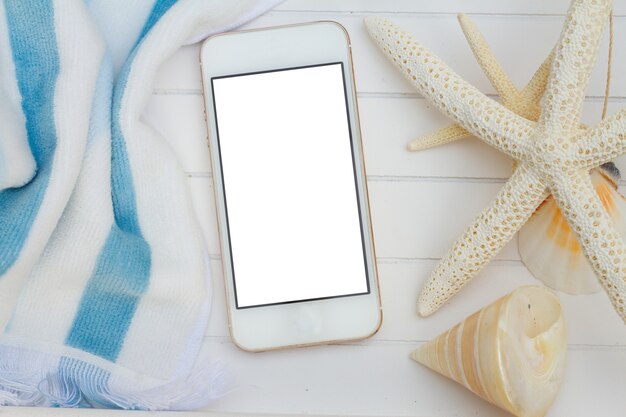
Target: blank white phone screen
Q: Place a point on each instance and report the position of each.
(289, 181)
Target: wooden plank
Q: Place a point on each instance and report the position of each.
(388, 123)
(400, 285)
(423, 219)
(401, 282)
(511, 37)
(440, 6)
(380, 379)
(411, 220)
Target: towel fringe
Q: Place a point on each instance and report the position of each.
(69, 382)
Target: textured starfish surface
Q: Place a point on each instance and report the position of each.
(553, 155)
(523, 102)
(526, 103)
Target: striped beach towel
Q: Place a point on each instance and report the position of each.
(104, 279)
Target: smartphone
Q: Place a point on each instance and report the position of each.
(290, 189)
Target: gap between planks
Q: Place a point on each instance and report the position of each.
(391, 13)
(418, 342)
(366, 95)
(405, 178)
(387, 260)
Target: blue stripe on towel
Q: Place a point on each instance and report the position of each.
(122, 272)
(33, 43)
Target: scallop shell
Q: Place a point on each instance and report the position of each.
(549, 248)
(511, 353)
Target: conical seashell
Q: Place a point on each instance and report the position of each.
(549, 248)
(511, 353)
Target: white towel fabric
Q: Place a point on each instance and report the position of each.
(104, 291)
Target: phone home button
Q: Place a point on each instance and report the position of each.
(308, 321)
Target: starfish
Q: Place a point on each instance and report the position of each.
(523, 102)
(553, 155)
(526, 103)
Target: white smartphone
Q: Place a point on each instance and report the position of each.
(291, 195)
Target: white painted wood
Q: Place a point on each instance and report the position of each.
(400, 282)
(420, 203)
(422, 219)
(440, 6)
(388, 123)
(411, 219)
(356, 379)
(521, 42)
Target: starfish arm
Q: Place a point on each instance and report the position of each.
(601, 242)
(572, 65)
(487, 60)
(463, 103)
(484, 238)
(438, 137)
(602, 143)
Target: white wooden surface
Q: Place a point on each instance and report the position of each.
(420, 203)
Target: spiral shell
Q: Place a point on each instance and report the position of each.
(511, 353)
(549, 248)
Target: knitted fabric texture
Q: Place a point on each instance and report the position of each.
(553, 155)
(104, 277)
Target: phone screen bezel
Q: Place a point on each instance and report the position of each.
(354, 173)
